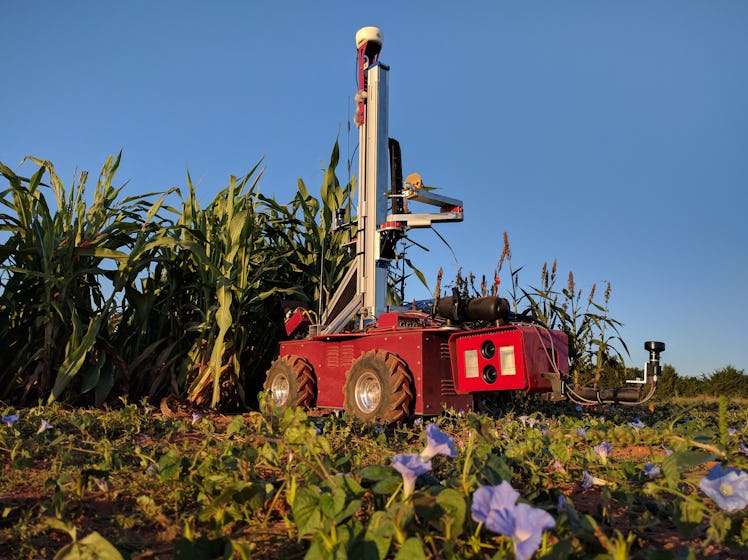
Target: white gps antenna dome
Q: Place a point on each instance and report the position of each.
(369, 35)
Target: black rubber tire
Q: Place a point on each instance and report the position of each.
(298, 373)
(387, 373)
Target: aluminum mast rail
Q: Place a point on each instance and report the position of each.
(373, 172)
(367, 297)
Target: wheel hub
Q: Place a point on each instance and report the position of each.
(368, 393)
(280, 389)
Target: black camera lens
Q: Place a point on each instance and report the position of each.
(490, 374)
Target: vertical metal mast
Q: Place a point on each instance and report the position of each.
(363, 290)
(373, 174)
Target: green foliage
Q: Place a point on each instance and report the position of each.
(305, 233)
(61, 272)
(283, 484)
(137, 297)
(234, 268)
(727, 381)
(91, 547)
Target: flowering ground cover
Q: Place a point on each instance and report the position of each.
(526, 480)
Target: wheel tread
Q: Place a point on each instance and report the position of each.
(302, 373)
(400, 407)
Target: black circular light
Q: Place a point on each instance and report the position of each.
(490, 374)
(488, 349)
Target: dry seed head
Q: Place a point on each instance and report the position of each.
(607, 293)
(505, 253)
(592, 294)
(544, 275)
(571, 282)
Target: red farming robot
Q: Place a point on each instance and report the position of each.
(386, 365)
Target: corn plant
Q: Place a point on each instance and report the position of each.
(61, 271)
(306, 233)
(226, 266)
(152, 332)
(112, 293)
(237, 260)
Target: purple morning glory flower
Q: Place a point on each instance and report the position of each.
(728, 488)
(652, 470)
(10, 419)
(562, 503)
(588, 481)
(528, 420)
(439, 443)
(497, 508)
(637, 424)
(493, 505)
(196, 416)
(732, 431)
(44, 426)
(410, 466)
(103, 485)
(581, 432)
(603, 450)
(529, 524)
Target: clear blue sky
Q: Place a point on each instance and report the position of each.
(612, 136)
